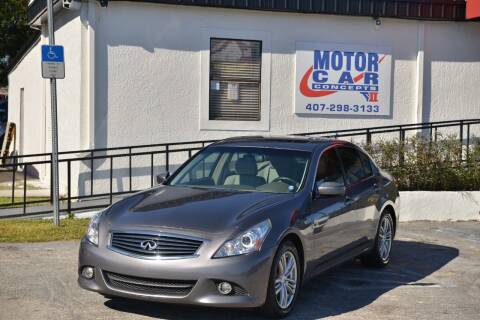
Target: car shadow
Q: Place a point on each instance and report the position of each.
(343, 289)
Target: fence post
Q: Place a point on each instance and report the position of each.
(468, 141)
(13, 183)
(69, 186)
(461, 139)
(111, 179)
(369, 137)
(461, 132)
(167, 162)
(401, 144)
(151, 170)
(130, 168)
(91, 173)
(51, 180)
(24, 189)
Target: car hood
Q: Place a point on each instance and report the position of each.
(198, 210)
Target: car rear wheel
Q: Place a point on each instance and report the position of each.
(379, 256)
(284, 283)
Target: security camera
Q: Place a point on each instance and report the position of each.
(71, 4)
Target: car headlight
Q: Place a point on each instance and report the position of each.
(247, 242)
(92, 231)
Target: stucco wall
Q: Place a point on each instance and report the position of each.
(452, 71)
(27, 75)
(151, 68)
(37, 112)
(138, 67)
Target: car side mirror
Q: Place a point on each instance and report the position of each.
(330, 188)
(161, 178)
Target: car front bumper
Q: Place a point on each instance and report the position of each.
(248, 273)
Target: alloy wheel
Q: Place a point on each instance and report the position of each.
(385, 238)
(286, 280)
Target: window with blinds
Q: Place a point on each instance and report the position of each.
(235, 79)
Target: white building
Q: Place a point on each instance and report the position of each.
(141, 72)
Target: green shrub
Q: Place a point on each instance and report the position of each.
(420, 164)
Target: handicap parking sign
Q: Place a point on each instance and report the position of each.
(53, 62)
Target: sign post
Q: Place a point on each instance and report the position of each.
(53, 68)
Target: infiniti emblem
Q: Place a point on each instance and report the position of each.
(149, 245)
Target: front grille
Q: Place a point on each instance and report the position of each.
(154, 245)
(174, 288)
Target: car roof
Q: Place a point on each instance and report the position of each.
(300, 143)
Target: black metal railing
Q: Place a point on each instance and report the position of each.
(87, 198)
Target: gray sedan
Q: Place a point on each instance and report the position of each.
(244, 223)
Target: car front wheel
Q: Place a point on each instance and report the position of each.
(284, 283)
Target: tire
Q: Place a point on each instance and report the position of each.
(378, 257)
(272, 307)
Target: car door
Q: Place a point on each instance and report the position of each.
(327, 215)
(372, 187)
(361, 194)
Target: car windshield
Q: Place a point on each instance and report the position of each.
(246, 169)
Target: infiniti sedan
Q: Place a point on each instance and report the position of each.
(244, 223)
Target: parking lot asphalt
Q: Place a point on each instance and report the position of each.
(434, 274)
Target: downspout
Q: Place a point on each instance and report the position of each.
(88, 75)
(420, 67)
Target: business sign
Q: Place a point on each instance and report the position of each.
(336, 79)
(53, 62)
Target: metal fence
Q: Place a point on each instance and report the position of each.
(21, 205)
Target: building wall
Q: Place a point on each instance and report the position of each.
(27, 76)
(37, 112)
(149, 70)
(151, 77)
(134, 76)
(452, 71)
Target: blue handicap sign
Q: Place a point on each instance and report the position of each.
(52, 53)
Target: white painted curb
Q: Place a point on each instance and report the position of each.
(422, 205)
(440, 205)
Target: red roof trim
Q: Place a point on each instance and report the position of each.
(473, 9)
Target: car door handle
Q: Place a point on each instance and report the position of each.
(349, 200)
(317, 223)
(375, 187)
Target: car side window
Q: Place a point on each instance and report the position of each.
(367, 164)
(352, 164)
(329, 168)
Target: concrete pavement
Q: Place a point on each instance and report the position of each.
(434, 274)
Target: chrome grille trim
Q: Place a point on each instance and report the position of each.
(168, 245)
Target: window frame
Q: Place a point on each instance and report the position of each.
(205, 123)
(238, 80)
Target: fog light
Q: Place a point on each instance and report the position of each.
(87, 272)
(224, 288)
